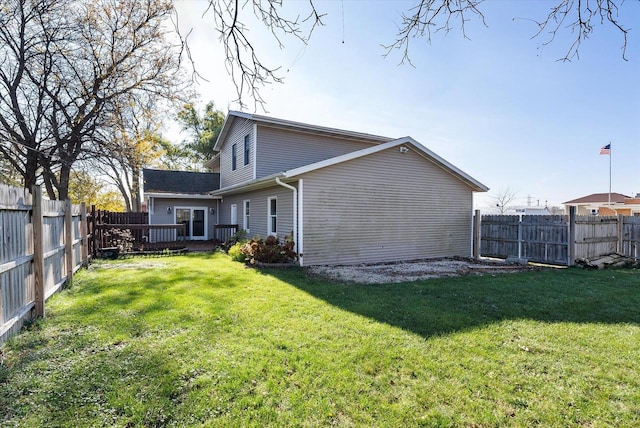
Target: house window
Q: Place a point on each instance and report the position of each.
(246, 224)
(273, 216)
(233, 158)
(246, 149)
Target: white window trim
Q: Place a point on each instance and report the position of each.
(234, 210)
(246, 226)
(270, 216)
(191, 208)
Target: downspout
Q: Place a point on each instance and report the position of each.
(295, 212)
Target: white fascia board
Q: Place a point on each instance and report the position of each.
(209, 164)
(231, 115)
(180, 196)
(246, 186)
(475, 184)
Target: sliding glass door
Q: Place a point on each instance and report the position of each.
(195, 222)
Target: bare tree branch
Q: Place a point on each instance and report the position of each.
(64, 67)
(430, 17)
(577, 17)
(248, 71)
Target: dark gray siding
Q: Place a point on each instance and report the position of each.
(388, 206)
(281, 150)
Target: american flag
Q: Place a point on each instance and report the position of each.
(606, 150)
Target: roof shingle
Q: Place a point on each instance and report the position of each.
(163, 181)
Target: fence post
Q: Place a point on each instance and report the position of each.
(571, 250)
(94, 231)
(476, 234)
(84, 234)
(68, 238)
(520, 237)
(38, 251)
(620, 231)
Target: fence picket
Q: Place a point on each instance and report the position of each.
(32, 259)
(546, 239)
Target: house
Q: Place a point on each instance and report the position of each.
(174, 197)
(604, 205)
(346, 197)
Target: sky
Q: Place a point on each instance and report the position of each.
(498, 105)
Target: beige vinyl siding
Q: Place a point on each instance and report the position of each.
(259, 210)
(388, 206)
(281, 150)
(229, 177)
(160, 215)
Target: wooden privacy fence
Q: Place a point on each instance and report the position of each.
(556, 239)
(100, 224)
(537, 238)
(42, 244)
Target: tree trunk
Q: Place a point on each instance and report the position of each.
(135, 191)
(63, 181)
(31, 171)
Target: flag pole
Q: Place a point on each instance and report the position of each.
(610, 154)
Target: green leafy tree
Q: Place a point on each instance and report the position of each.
(110, 200)
(203, 130)
(83, 187)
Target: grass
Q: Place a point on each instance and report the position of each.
(199, 340)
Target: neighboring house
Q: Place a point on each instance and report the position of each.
(346, 197)
(598, 204)
(174, 197)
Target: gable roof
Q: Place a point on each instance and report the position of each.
(405, 141)
(596, 198)
(296, 126)
(184, 182)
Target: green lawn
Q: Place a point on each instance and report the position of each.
(201, 340)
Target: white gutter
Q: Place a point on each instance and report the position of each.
(295, 213)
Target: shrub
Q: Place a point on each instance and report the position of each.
(269, 250)
(235, 252)
(240, 237)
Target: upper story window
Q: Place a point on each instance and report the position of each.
(247, 142)
(273, 216)
(234, 161)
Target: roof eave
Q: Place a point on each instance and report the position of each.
(247, 186)
(169, 195)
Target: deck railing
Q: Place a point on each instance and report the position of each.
(142, 237)
(224, 232)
